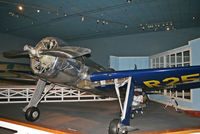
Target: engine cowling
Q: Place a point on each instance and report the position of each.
(42, 63)
(57, 68)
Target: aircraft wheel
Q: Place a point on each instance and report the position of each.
(114, 127)
(32, 114)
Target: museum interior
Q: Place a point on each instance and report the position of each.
(99, 67)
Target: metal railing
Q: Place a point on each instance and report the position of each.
(23, 94)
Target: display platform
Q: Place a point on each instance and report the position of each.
(94, 117)
(10, 126)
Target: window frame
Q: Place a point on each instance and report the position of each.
(156, 63)
(169, 64)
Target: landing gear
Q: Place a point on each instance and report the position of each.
(122, 125)
(32, 114)
(115, 127)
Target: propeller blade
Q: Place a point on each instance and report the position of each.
(16, 54)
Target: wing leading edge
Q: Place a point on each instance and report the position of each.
(154, 78)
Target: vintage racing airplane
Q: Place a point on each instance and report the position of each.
(53, 62)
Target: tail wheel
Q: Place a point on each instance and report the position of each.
(32, 114)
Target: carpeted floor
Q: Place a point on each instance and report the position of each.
(94, 117)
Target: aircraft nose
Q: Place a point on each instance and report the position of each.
(32, 51)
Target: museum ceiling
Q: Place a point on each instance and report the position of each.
(87, 19)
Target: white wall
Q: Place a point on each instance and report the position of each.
(128, 63)
(144, 44)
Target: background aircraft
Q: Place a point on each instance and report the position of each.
(54, 63)
(9, 73)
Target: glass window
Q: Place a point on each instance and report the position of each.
(179, 57)
(172, 65)
(153, 63)
(186, 55)
(187, 94)
(172, 58)
(162, 59)
(186, 64)
(167, 58)
(167, 61)
(157, 62)
(162, 62)
(179, 65)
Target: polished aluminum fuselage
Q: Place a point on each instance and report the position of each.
(66, 71)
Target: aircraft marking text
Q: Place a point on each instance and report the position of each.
(172, 80)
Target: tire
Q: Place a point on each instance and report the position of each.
(113, 127)
(32, 114)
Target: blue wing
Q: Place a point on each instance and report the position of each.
(155, 78)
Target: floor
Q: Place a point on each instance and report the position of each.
(94, 117)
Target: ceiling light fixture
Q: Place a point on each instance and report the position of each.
(143, 27)
(98, 21)
(11, 13)
(169, 25)
(128, 1)
(82, 18)
(14, 14)
(20, 8)
(103, 22)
